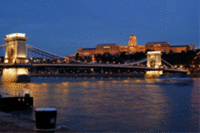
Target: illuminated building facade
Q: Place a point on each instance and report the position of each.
(132, 47)
(165, 47)
(100, 49)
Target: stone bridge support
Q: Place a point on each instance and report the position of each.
(154, 61)
(15, 53)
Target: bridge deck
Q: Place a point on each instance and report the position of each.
(92, 66)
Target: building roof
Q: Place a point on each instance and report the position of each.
(159, 42)
(106, 44)
(180, 46)
(89, 48)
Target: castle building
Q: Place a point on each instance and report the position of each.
(132, 48)
(100, 49)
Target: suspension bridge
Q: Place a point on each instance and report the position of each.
(34, 54)
(16, 53)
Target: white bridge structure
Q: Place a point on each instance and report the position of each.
(17, 55)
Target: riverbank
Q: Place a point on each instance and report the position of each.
(131, 75)
(11, 123)
(92, 75)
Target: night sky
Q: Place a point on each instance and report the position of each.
(63, 26)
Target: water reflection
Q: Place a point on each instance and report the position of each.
(14, 88)
(127, 105)
(195, 104)
(124, 103)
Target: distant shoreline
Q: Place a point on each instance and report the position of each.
(121, 75)
(90, 75)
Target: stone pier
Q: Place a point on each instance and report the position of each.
(15, 54)
(154, 60)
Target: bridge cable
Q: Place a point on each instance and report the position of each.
(48, 53)
(140, 61)
(167, 62)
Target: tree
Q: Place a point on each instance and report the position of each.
(148, 50)
(171, 52)
(97, 57)
(106, 57)
(123, 55)
(77, 56)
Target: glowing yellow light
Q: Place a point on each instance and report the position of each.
(154, 52)
(22, 71)
(100, 82)
(153, 74)
(22, 55)
(65, 83)
(11, 74)
(114, 81)
(44, 84)
(6, 61)
(15, 35)
(126, 81)
(106, 47)
(85, 83)
(157, 45)
(138, 80)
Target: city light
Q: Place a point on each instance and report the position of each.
(22, 71)
(16, 35)
(27, 60)
(154, 52)
(6, 61)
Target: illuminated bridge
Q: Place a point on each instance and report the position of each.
(17, 54)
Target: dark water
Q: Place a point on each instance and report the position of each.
(122, 105)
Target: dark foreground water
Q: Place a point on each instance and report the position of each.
(123, 105)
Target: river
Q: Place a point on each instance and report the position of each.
(115, 104)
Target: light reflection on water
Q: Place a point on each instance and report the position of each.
(116, 105)
(195, 103)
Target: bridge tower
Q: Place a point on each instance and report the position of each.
(15, 53)
(154, 61)
(15, 48)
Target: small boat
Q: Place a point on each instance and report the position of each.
(174, 80)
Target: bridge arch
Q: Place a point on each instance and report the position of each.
(154, 59)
